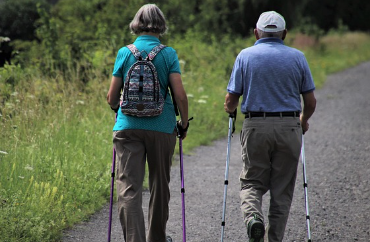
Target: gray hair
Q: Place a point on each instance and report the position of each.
(149, 18)
(263, 34)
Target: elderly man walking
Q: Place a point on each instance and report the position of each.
(272, 78)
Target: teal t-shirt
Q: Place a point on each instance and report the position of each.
(166, 62)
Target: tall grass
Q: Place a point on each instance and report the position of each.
(55, 133)
(55, 161)
(205, 72)
(334, 52)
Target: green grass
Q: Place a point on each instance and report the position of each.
(56, 139)
(57, 163)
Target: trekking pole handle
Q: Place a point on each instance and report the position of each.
(233, 116)
(180, 129)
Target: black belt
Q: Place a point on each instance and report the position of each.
(271, 114)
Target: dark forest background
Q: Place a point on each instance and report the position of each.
(76, 22)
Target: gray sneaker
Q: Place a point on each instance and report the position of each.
(169, 239)
(256, 229)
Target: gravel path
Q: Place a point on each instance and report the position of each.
(338, 171)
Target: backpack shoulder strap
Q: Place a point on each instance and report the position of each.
(134, 51)
(155, 51)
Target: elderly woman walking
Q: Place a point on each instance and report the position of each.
(152, 139)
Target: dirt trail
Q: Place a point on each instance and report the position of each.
(338, 171)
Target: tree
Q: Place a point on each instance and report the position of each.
(328, 14)
(17, 18)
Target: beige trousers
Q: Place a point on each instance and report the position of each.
(270, 153)
(133, 149)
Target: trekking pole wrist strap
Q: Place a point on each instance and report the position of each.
(182, 130)
(186, 129)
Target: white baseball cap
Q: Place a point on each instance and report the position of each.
(271, 21)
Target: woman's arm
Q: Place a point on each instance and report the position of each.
(180, 97)
(114, 92)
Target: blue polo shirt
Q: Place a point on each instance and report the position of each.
(166, 62)
(270, 76)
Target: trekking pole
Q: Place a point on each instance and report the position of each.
(232, 116)
(179, 135)
(182, 191)
(305, 192)
(111, 192)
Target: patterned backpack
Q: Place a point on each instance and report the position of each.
(142, 92)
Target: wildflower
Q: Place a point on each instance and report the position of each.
(28, 167)
(182, 63)
(202, 101)
(204, 96)
(190, 95)
(9, 105)
(80, 102)
(3, 152)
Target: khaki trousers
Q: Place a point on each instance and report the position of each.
(270, 153)
(133, 149)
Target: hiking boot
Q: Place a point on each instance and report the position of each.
(169, 239)
(256, 229)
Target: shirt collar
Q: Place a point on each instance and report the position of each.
(147, 37)
(269, 40)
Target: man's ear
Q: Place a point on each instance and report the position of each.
(284, 34)
(256, 34)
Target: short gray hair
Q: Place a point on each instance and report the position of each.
(149, 18)
(263, 34)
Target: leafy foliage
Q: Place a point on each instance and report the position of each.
(327, 14)
(75, 36)
(17, 18)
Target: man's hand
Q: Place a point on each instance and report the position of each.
(231, 102)
(309, 106)
(305, 125)
(227, 109)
